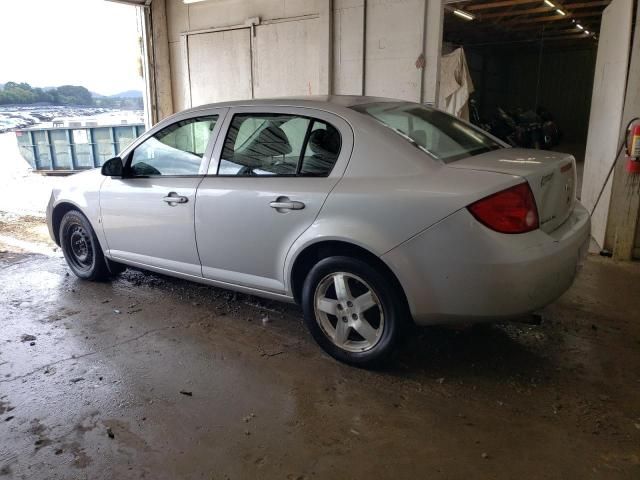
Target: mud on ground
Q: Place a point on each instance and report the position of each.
(152, 377)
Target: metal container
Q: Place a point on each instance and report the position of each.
(74, 148)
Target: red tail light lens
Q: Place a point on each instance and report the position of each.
(510, 211)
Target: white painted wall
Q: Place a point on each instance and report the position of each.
(232, 60)
(393, 44)
(287, 58)
(350, 47)
(606, 110)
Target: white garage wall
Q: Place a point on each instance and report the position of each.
(215, 55)
(394, 43)
(296, 72)
(606, 111)
(390, 34)
(348, 47)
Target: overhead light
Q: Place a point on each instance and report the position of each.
(561, 12)
(587, 32)
(463, 14)
(549, 4)
(187, 2)
(579, 26)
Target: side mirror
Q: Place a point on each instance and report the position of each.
(113, 167)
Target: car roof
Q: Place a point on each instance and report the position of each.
(328, 102)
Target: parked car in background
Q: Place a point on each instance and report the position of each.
(371, 213)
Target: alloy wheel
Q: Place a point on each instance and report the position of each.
(349, 312)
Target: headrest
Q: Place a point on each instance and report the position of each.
(271, 141)
(419, 136)
(325, 142)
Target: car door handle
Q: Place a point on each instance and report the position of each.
(283, 203)
(174, 198)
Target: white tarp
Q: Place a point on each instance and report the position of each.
(455, 84)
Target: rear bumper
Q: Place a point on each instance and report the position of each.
(458, 270)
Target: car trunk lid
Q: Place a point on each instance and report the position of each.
(551, 176)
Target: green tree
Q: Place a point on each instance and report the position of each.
(23, 93)
(74, 95)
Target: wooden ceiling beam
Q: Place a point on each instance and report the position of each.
(578, 40)
(561, 33)
(553, 18)
(547, 28)
(518, 20)
(592, 3)
(543, 9)
(531, 29)
(503, 3)
(569, 37)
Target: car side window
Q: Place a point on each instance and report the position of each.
(175, 150)
(278, 145)
(323, 147)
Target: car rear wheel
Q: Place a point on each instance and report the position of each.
(352, 311)
(81, 248)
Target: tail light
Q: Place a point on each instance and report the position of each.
(510, 211)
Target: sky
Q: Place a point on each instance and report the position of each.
(48, 43)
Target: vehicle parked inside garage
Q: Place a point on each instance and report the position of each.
(371, 213)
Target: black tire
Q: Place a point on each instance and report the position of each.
(388, 301)
(81, 248)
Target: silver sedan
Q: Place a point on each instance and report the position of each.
(371, 213)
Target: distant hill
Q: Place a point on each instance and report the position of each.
(125, 94)
(128, 94)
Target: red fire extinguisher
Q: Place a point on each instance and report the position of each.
(633, 147)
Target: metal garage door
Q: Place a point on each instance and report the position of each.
(220, 66)
(279, 58)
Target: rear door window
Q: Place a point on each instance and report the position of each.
(260, 144)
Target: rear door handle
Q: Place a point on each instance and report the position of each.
(284, 203)
(174, 198)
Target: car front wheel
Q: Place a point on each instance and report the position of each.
(81, 248)
(352, 310)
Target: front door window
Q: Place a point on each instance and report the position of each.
(175, 150)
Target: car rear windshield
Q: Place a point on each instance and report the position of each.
(437, 133)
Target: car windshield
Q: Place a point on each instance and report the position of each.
(439, 134)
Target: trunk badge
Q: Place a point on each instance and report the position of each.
(546, 179)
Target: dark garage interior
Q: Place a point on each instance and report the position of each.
(523, 62)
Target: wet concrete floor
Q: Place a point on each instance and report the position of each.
(157, 378)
